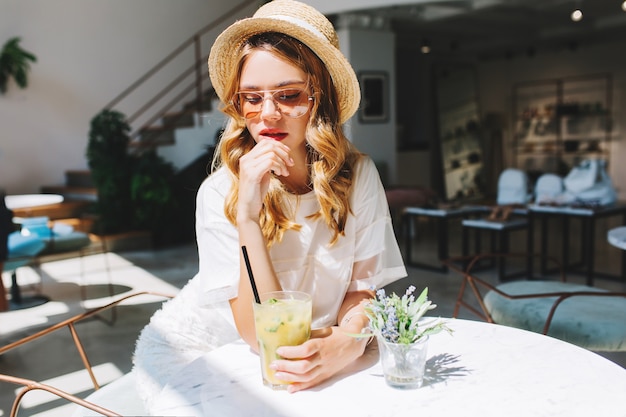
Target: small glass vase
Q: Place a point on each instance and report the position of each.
(403, 365)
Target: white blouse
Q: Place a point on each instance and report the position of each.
(303, 260)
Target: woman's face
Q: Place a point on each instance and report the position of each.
(264, 71)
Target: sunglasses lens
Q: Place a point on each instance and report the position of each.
(291, 102)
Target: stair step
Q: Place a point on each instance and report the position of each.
(180, 119)
(193, 106)
(78, 178)
(155, 136)
(70, 193)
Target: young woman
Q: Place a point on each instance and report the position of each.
(289, 186)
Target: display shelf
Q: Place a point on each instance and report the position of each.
(560, 122)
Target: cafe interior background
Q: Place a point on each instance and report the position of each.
(496, 58)
(454, 92)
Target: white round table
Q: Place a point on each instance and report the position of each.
(481, 370)
(20, 201)
(617, 237)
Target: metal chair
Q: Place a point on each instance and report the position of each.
(22, 251)
(589, 317)
(57, 240)
(30, 385)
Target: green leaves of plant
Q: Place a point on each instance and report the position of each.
(398, 319)
(134, 191)
(14, 63)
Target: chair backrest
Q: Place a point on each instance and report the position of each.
(30, 385)
(513, 187)
(70, 324)
(548, 188)
(590, 317)
(37, 226)
(22, 246)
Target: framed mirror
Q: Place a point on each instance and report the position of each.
(458, 122)
(374, 97)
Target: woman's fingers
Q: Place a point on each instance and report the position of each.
(268, 156)
(255, 168)
(299, 364)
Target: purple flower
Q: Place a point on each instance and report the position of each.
(396, 319)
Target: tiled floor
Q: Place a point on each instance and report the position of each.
(166, 270)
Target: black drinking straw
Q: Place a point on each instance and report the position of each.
(247, 261)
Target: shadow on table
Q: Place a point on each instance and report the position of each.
(442, 367)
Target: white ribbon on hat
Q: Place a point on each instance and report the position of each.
(301, 23)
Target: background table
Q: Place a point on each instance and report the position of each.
(21, 201)
(588, 217)
(483, 369)
(617, 237)
(443, 216)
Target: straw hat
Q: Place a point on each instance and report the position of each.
(301, 22)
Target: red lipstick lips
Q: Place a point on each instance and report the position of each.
(273, 134)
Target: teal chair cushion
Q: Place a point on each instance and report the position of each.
(21, 250)
(595, 323)
(37, 226)
(60, 238)
(20, 246)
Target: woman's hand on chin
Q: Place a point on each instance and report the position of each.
(255, 169)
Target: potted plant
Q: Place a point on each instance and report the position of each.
(152, 196)
(134, 191)
(110, 166)
(402, 334)
(14, 63)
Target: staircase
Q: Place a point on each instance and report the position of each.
(162, 133)
(181, 133)
(78, 187)
(180, 141)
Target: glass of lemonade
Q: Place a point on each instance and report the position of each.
(282, 319)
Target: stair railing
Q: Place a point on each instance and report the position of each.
(176, 85)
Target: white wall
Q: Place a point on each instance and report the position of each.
(88, 52)
(373, 51)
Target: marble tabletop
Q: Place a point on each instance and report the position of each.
(617, 237)
(481, 370)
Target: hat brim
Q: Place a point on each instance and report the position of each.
(224, 53)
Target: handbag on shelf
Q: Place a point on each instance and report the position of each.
(589, 183)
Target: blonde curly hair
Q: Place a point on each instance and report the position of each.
(331, 157)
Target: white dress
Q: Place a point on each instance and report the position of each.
(199, 318)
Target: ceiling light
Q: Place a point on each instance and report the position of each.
(425, 48)
(624, 6)
(577, 15)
